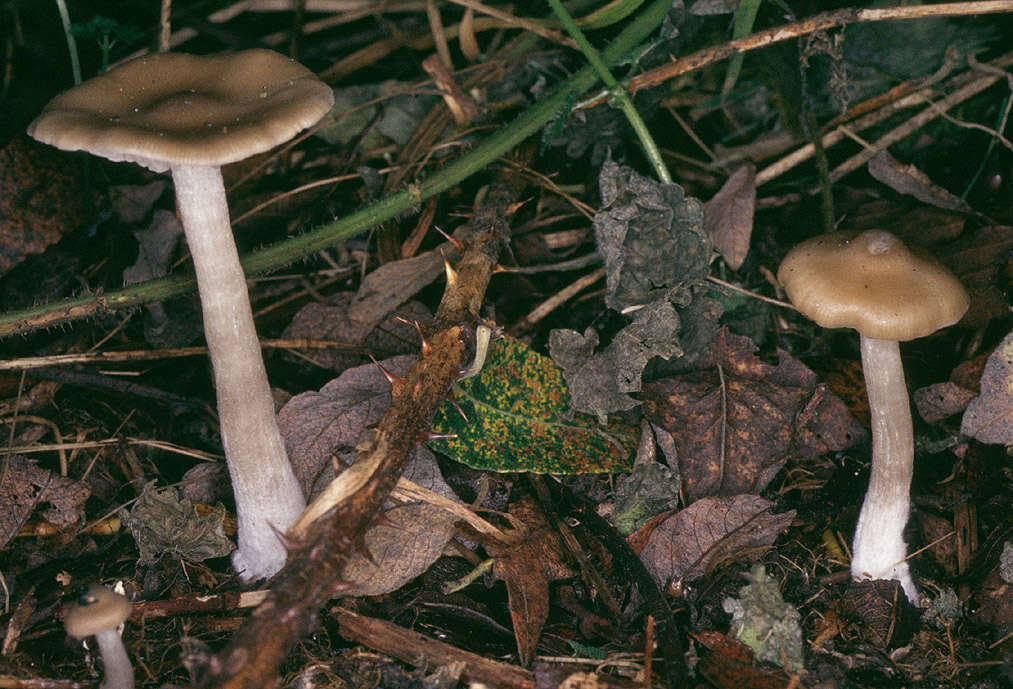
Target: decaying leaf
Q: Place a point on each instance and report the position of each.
(25, 486)
(400, 553)
(650, 488)
(762, 620)
(972, 257)
(711, 531)
(598, 381)
(42, 196)
(518, 419)
(162, 523)
(989, 417)
(736, 419)
(394, 283)
(935, 402)
(729, 664)
(728, 217)
(358, 107)
(908, 179)
(395, 333)
(651, 236)
(527, 568)
(322, 427)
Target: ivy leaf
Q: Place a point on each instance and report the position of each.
(519, 420)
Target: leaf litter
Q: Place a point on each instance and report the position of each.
(729, 415)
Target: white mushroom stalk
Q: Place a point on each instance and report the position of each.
(119, 672)
(267, 493)
(879, 550)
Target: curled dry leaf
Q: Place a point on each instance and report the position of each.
(710, 532)
(728, 217)
(989, 417)
(937, 401)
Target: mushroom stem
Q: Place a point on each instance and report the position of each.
(119, 673)
(879, 550)
(267, 493)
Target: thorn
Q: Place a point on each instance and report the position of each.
(289, 544)
(440, 436)
(498, 268)
(449, 270)
(396, 382)
(340, 586)
(459, 410)
(458, 244)
(422, 338)
(383, 520)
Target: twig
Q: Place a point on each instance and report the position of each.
(557, 300)
(831, 138)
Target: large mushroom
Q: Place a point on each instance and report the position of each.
(191, 115)
(887, 292)
(99, 612)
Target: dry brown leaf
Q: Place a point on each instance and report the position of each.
(908, 179)
(989, 417)
(976, 258)
(527, 568)
(400, 553)
(42, 195)
(728, 217)
(760, 414)
(937, 401)
(729, 664)
(27, 486)
(331, 321)
(711, 531)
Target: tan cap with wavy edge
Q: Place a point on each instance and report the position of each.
(170, 108)
(873, 283)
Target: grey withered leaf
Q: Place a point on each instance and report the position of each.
(598, 382)
(651, 236)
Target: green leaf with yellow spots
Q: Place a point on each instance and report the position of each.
(519, 419)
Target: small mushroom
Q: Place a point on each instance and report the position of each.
(98, 612)
(887, 292)
(191, 115)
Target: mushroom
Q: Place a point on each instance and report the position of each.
(99, 611)
(887, 292)
(191, 115)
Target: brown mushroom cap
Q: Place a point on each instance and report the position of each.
(170, 108)
(873, 283)
(96, 609)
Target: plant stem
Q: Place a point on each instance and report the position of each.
(616, 90)
(288, 251)
(75, 64)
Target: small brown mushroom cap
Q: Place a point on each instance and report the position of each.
(170, 108)
(873, 283)
(96, 609)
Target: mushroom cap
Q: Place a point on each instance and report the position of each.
(873, 283)
(174, 109)
(96, 609)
